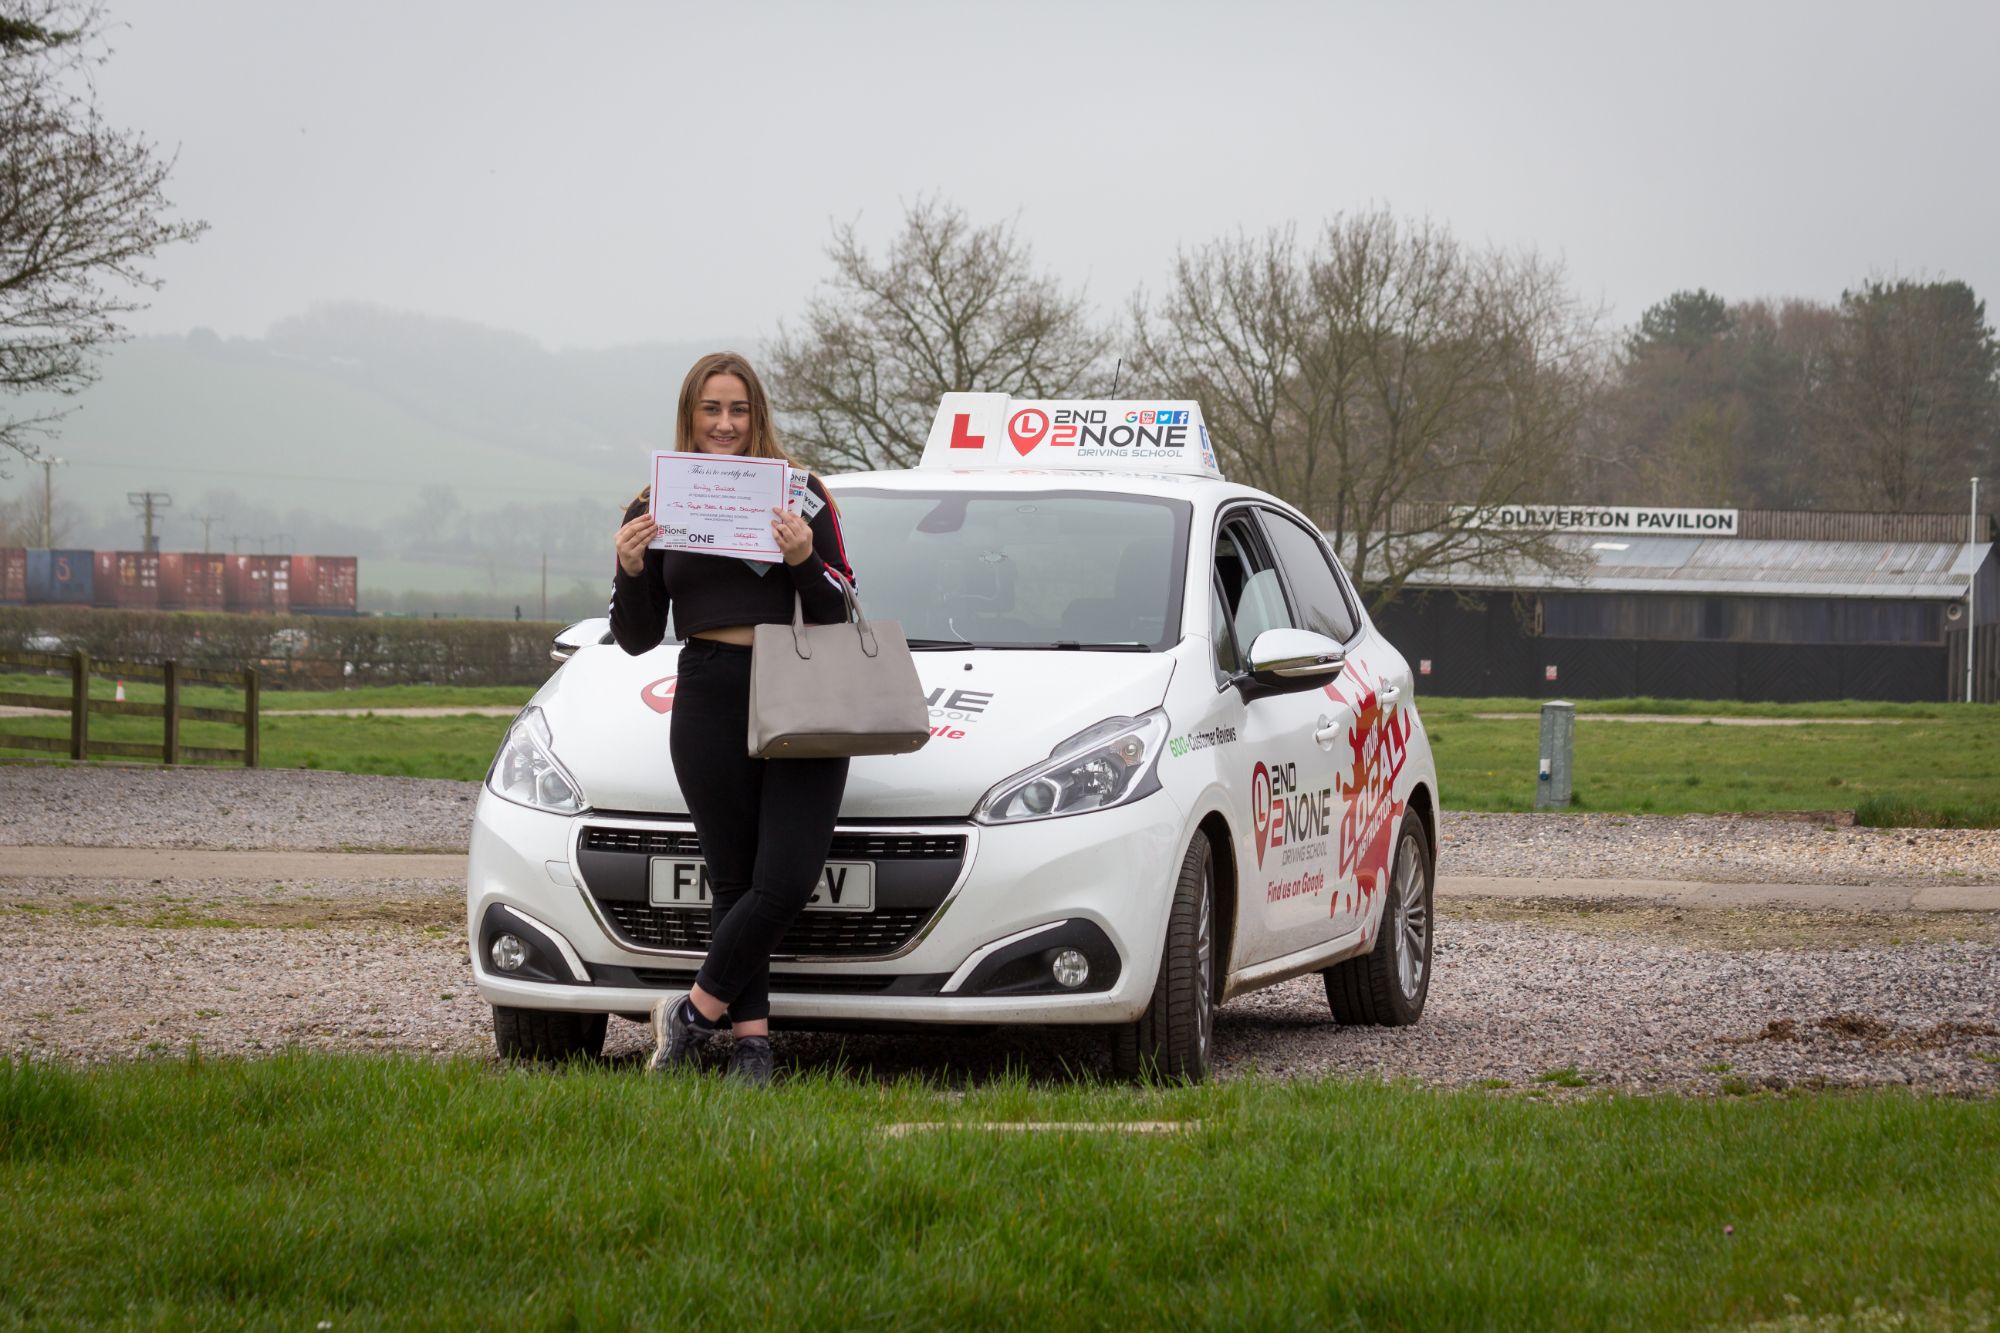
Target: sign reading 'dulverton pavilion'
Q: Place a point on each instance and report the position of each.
(1605, 518)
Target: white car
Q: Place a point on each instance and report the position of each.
(1171, 761)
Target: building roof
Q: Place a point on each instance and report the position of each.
(1733, 566)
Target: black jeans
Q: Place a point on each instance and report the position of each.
(764, 824)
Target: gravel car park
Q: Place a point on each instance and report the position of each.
(317, 923)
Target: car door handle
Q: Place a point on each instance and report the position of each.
(1388, 694)
(1329, 731)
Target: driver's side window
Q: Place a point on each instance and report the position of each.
(1248, 596)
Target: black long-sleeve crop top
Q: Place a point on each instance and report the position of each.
(711, 591)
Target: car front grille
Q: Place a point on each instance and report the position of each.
(813, 934)
(915, 871)
(846, 846)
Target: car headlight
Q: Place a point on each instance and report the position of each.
(1109, 764)
(526, 772)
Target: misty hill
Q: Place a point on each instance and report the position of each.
(449, 455)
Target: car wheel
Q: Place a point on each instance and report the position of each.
(1171, 1039)
(547, 1035)
(1387, 986)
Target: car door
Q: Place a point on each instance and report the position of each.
(1280, 773)
(1366, 704)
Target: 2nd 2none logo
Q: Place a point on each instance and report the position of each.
(1281, 814)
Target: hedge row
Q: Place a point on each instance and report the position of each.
(303, 651)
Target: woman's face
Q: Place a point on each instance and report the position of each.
(722, 416)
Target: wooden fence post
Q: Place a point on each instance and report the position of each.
(79, 705)
(250, 756)
(170, 743)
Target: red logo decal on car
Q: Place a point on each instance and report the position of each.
(659, 696)
(1026, 428)
(1260, 808)
(1380, 742)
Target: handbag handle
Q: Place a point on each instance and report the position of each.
(803, 647)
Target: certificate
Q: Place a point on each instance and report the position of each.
(718, 503)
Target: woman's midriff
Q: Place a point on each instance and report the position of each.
(740, 635)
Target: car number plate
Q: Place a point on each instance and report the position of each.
(844, 886)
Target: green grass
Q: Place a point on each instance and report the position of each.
(274, 701)
(1936, 756)
(1832, 708)
(1937, 767)
(422, 747)
(367, 1191)
(1899, 811)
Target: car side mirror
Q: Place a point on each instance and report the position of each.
(1288, 661)
(580, 635)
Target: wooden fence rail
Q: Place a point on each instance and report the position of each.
(171, 712)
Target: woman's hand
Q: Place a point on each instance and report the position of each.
(632, 541)
(795, 536)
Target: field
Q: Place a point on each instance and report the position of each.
(1923, 757)
(1935, 764)
(363, 1190)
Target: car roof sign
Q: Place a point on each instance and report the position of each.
(992, 430)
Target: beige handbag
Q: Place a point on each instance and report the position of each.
(826, 691)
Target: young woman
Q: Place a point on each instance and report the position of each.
(764, 825)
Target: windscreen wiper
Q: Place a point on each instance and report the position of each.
(938, 645)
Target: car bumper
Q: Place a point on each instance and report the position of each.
(1105, 877)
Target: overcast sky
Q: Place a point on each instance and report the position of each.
(596, 173)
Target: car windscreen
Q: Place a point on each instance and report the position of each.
(1019, 569)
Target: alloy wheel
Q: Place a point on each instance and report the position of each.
(1204, 958)
(1413, 919)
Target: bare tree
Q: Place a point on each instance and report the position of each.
(1381, 367)
(82, 209)
(1913, 394)
(952, 307)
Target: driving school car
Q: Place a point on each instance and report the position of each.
(1170, 761)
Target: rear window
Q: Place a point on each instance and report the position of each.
(1029, 569)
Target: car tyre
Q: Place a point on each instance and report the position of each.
(1171, 1040)
(549, 1036)
(1387, 986)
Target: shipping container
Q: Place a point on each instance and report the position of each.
(61, 577)
(191, 581)
(323, 585)
(258, 583)
(13, 575)
(128, 580)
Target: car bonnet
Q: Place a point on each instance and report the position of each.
(992, 713)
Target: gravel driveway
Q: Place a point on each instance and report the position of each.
(1530, 993)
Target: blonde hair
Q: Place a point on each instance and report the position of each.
(763, 433)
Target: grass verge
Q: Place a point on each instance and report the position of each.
(369, 1190)
(1935, 768)
(1899, 811)
(279, 701)
(1937, 756)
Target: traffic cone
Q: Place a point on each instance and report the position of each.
(120, 696)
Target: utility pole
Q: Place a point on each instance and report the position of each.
(48, 501)
(545, 585)
(205, 520)
(149, 501)
(1972, 591)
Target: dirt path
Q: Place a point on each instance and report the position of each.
(183, 864)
